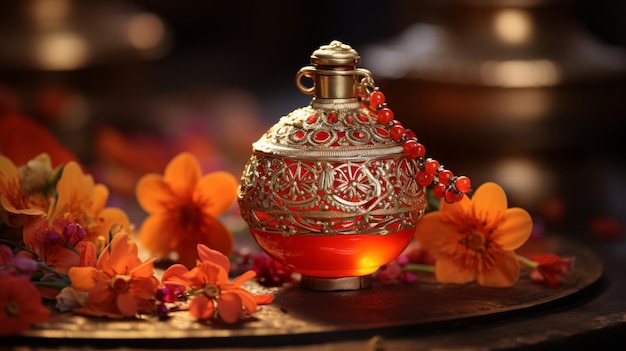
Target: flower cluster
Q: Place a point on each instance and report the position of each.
(475, 240)
(59, 241)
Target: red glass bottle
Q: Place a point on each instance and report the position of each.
(329, 190)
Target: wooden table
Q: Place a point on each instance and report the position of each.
(588, 309)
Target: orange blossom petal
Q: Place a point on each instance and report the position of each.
(455, 212)
(84, 278)
(175, 274)
(247, 299)
(100, 292)
(202, 307)
(447, 270)
(123, 254)
(153, 237)
(127, 304)
(153, 194)
(182, 174)
(229, 307)
(489, 202)
(243, 278)
(210, 273)
(216, 192)
(210, 255)
(432, 232)
(503, 273)
(212, 234)
(145, 269)
(263, 299)
(514, 230)
(100, 197)
(107, 218)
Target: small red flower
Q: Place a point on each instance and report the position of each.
(550, 268)
(20, 305)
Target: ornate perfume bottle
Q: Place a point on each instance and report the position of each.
(334, 189)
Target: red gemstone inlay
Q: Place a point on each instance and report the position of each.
(332, 117)
(361, 117)
(382, 131)
(312, 119)
(299, 135)
(321, 136)
(350, 119)
(359, 135)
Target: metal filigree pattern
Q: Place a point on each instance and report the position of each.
(330, 168)
(377, 196)
(337, 128)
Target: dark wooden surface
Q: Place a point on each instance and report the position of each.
(420, 316)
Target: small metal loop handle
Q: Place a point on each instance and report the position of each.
(367, 82)
(308, 73)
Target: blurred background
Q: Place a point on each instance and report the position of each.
(528, 93)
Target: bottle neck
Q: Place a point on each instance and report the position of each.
(335, 84)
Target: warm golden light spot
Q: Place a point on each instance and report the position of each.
(47, 14)
(520, 73)
(145, 31)
(526, 180)
(513, 26)
(61, 51)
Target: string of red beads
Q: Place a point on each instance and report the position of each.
(430, 172)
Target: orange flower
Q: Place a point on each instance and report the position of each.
(17, 205)
(20, 305)
(120, 285)
(86, 201)
(475, 239)
(213, 294)
(183, 208)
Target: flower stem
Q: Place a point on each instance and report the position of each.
(194, 292)
(416, 267)
(54, 285)
(527, 262)
(54, 271)
(71, 248)
(20, 247)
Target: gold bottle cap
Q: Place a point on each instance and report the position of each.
(335, 54)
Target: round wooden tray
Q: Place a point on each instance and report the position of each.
(300, 316)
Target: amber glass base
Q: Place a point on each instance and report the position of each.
(334, 256)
